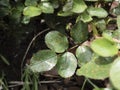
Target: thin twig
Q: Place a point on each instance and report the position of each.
(30, 46)
(19, 83)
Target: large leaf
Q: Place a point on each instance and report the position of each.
(104, 47)
(79, 32)
(67, 64)
(115, 73)
(98, 68)
(79, 6)
(83, 54)
(43, 60)
(98, 12)
(31, 11)
(56, 41)
(46, 7)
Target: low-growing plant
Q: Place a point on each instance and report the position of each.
(79, 38)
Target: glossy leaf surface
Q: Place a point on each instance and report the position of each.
(83, 54)
(56, 41)
(31, 11)
(43, 60)
(67, 64)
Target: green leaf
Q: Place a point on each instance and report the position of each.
(83, 54)
(56, 41)
(79, 32)
(85, 17)
(116, 35)
(43, 60)
(98, 68)
(64, 14)
(31, 2)
(31, 11)
(67, 64)
(118, 21)
(115, 73)
(116, 10)
(98, 12)
(68, 6)
(104, 47)
(46, 7)
(108, 35)
(101, 24)
(79, 6)
(55, 3)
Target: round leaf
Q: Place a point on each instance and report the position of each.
(43, 60)
(104, 47)
(67, 65)
(115, 73)
(79, 6)
(79, 32)
(83, 54)
(56, 41)
(46, 7)
(31, 11)
(98, 68)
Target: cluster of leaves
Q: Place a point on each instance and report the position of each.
(80, 26)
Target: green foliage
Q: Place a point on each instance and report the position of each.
(104, 47)
(43, 61)
(83, 54)
(97, 68)
(115, 73)
(56, 41)
(67, 64)
(79, 32)
(79, 36)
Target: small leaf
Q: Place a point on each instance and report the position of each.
(85, 17)
(101, 24)
(79, 32)
(68, 6)
(83, 54)
(43, 60)
(98, 68)
(67, 65)
(98, 12)
(46, 7)
(104, 47)
(79, 6)
(116, 10)
(115, 73)
(56, 41)
(31, 11)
